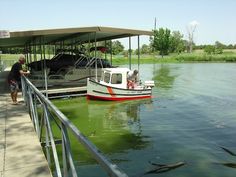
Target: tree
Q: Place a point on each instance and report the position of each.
(117, 47)
(220, 45)
(191, 29)
(151, 44)
(230, 46)
(145, 49)
(218, 50)
(125, 53)
(176, 42)
(209, 49)
(161, 41)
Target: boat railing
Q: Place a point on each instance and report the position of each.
(44, 114)
(56, 56)
(92, 61)
(81, 59)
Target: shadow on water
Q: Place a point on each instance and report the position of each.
(228, 164)
(160, 168)
(114, 127)
(163, 77)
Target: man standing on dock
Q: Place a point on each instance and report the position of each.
(14, 78)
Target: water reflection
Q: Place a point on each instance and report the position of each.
(121, 111)
(114, 127)
(119, 124)
(163, 77)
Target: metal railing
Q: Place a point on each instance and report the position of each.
(42, 121)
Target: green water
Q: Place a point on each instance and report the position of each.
(192, 115)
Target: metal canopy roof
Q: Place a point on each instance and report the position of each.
(68, 35)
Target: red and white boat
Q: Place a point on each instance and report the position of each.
(113, 86)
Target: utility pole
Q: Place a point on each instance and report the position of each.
(155, 24)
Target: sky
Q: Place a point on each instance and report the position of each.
(215, 18)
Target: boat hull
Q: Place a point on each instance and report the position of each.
(99, 91)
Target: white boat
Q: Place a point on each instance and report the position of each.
(113, 86)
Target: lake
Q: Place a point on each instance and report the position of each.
(191, 116)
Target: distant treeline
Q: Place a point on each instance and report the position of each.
(164, 42)
(144, 49)
(218, 44)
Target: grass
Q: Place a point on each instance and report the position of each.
(152, 59)
(9, 56)
(225, 57)
(197, 56)
(175, 58)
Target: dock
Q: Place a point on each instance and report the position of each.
(65, 92)
(20, 151)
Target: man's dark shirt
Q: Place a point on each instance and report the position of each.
(15, 72)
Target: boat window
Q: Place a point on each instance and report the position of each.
(116, 79)
(107, 77)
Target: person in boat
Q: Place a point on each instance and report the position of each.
(132, 78)
(14, 78)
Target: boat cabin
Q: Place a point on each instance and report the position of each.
(114, 77)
